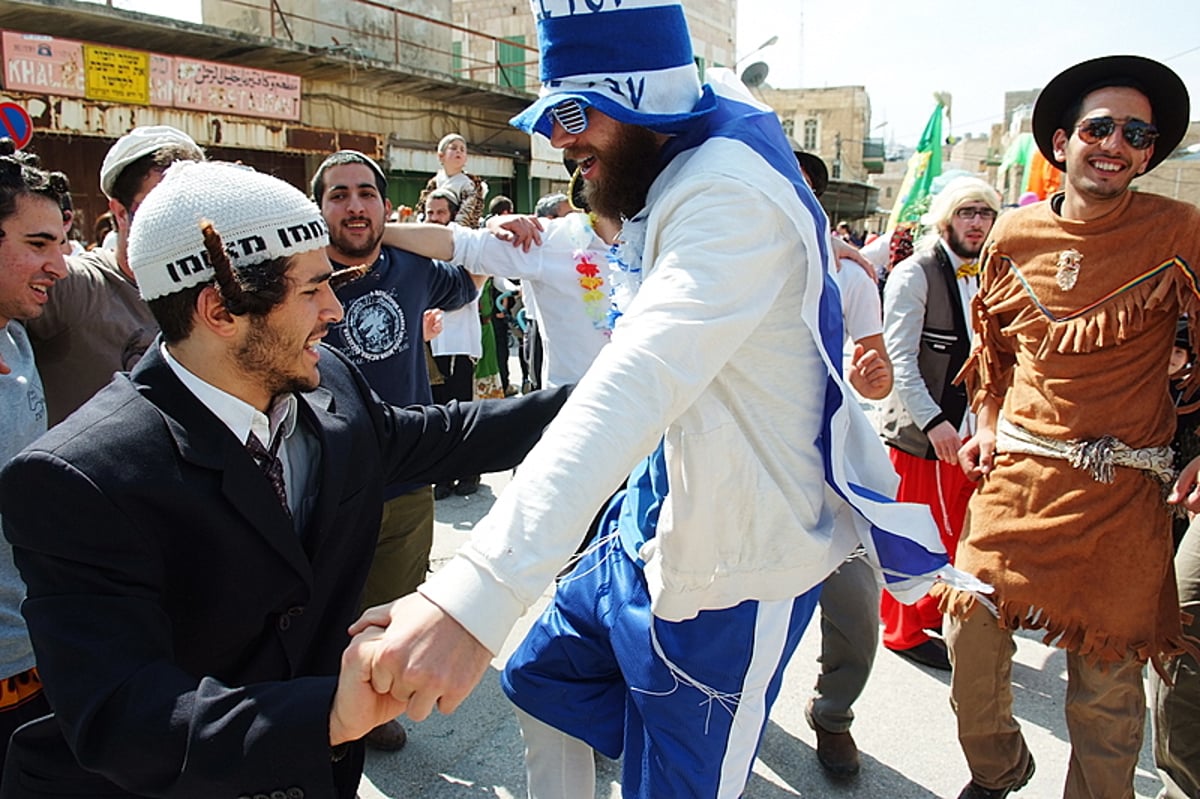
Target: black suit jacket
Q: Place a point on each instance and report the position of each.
(188, 637)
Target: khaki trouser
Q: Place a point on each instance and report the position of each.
(1105, 712)
(1177, 709)
(402, 551)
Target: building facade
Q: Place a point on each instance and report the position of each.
(831, 122)
(713, 25)
(272, 84)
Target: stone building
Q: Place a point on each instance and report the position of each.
(1178, 176)
(977, 153)
(712, 24)
(834, 123)
(416, 36)
(276, 84)
(831, 122)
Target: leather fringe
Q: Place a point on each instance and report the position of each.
(1097, 648)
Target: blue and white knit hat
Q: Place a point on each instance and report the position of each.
(631, 60)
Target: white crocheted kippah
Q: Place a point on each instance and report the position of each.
(259, 218)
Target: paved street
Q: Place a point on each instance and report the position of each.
(905, 727)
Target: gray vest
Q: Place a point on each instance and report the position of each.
(945, 346)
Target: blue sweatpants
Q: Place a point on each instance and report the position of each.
(684, 703)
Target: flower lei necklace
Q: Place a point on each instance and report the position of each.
(625, 259)
(590, 277)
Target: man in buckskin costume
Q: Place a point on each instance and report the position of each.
(1075, 321)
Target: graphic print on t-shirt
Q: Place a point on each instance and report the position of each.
(375, 327)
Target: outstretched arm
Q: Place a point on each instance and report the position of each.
(421, 238)
(437, 241)
(843, 250)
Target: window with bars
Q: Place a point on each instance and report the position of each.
(811, 133)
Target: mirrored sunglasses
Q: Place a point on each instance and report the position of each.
(1138, 134)
(571, 115)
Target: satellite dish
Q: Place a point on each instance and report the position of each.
(755, 74)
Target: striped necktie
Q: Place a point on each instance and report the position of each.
(268, 460)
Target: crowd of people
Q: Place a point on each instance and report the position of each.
(227, 426)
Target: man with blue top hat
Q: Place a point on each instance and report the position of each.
(720, 397)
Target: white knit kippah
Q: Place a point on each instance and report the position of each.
(259, 217)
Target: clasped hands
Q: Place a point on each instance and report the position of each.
(407, 657)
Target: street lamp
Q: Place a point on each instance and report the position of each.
(763, 46)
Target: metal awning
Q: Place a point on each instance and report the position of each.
(91, 22)
(849, 200)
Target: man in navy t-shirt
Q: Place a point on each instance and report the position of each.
(382, 335)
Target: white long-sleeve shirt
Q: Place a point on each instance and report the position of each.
(904, 322)
(567, 273)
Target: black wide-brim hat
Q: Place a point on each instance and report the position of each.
(1163, 88)
(816, 170)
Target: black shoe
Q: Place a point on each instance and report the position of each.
(931, 653)
(387, 737)
(467, 486)
(836, 751)
(974, 791)
(443, 490)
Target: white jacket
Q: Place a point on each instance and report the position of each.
(714, 355)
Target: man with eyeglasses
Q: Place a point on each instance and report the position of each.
(751, 475)
(1075, 321)
(926, 308)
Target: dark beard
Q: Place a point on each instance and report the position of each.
(629, 169)
(349, 254)
(259, 356)
(960, 248)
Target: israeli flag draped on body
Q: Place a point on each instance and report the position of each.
(658, 87)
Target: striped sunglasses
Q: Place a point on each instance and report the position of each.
(571, 115)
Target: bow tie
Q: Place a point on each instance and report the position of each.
(969, 269)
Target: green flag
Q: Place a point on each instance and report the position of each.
(926, 164)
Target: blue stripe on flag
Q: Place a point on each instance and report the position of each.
(903, 555)
(620, 41)
(761, 132)
(900, 556)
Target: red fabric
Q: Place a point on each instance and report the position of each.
(946, 490)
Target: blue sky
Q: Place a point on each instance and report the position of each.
(903, 52)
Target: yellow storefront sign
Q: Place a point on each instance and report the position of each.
(115, 75)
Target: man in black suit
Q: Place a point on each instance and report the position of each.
(196, 538)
